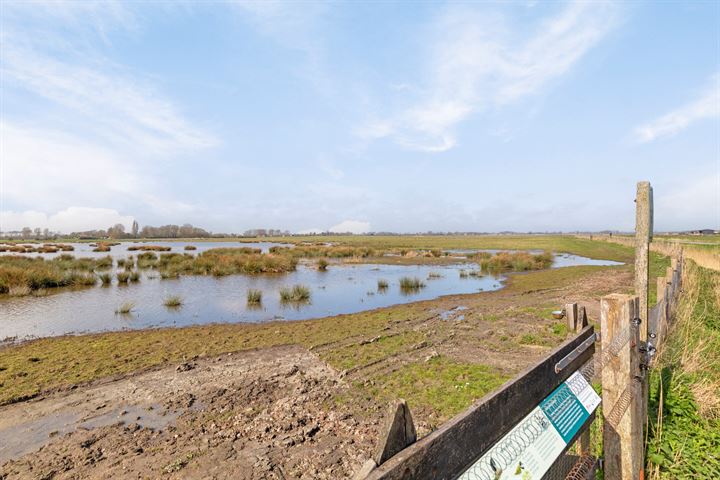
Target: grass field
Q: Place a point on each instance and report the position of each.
(684, 438)
(553, 243)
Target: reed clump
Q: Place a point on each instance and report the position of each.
(254, 297)
(125, 308)
(134, 276)
(322, 265)
(147, 260)
(316, 251)
(411, 284)
(103, 247)
(173, 301)
(23, 275)
(296, 294)
(122, 277)
(382, 285)
(149, 248)
(516, 261)
(226, 261)
(105, 279)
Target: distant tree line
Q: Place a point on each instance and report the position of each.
(265, 232)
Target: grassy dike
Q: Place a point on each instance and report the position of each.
(684, 437)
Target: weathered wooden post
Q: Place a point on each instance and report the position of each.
(661, 286)
(643, 235)
(622, 429)
(571, 315)
(582, 320)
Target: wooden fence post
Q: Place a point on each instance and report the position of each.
(582, 320)
(398, 432)
(621, 395)
(571, 316)
(643, 235)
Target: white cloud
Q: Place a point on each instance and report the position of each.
(72, 219)
(690, 203)
(45, 168)
(707, 105)
(51, 50)
(352, 226)
(477, 62)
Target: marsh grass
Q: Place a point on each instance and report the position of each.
(125, 308)
(382, 285)
(122, 277)
(411, 284)
(105, 279)
(254, 297)
(173, 301)
(149, 248)
(684, 405)
(434, 275)
(296, 294)
(22, 274)
(134, 276)
(147, 260)
(515, 261)
(316, 251)
(322, 265)
(190, 247)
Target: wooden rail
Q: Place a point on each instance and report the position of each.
(446, 452)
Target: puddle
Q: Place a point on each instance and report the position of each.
(30, 436)
(447, 314)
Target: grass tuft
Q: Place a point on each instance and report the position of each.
(411, 284)
(254, 297)
(173, 301)
(296, 294)
(125, 308)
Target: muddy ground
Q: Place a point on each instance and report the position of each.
(273, 413)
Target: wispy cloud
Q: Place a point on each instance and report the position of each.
(479, 61)
(48, 51)
(89, 128)
(706, 105)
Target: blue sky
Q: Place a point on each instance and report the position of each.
(360, 116)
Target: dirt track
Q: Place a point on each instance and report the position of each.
(249, 415)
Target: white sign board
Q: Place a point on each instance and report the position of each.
(528, 451)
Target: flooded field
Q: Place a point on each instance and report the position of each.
(85, 250)
(203, 299)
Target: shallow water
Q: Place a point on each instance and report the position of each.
(339, 290)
